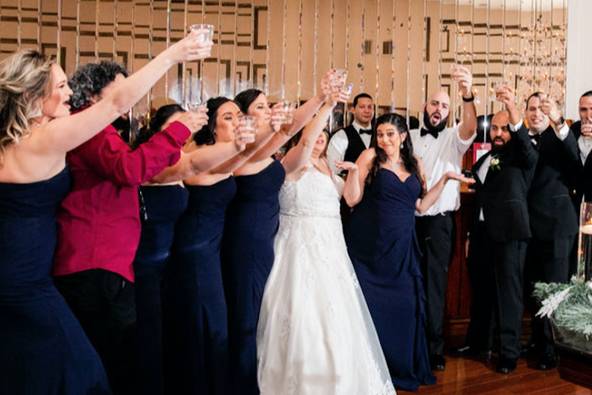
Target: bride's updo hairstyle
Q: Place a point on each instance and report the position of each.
(24, 81)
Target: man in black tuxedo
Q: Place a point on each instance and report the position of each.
(553, 218)
(348, 143)
(499, 235)
(582, 130)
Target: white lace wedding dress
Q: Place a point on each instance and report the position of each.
(315, 334)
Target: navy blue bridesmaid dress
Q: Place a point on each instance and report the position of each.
(43, 349)
(196, 313)
(161, 207)
(383, 248)
(252, 222)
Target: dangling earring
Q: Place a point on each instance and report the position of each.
(401, 146)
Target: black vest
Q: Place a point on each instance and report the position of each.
(355, 145)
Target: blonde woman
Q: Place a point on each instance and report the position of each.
(43, 349)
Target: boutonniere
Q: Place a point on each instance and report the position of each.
(495, 163)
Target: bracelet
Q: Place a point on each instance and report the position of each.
(468, 99)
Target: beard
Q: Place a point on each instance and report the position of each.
(495, 146)
(428, 124)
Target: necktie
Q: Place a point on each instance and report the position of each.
(366, 131)
(425, 131)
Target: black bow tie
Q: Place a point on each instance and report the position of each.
(365, 131)
(535, 138)
(425, 131)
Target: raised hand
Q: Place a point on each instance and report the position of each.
(505, 95)
(549, 108)
(464, 78)
(451, 175)
(279, 116)
(347, 166)
(340, 96)
(244, 135)
(190, 48)
(586, 128)
(194, 120)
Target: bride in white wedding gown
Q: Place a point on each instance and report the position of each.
(315, 334)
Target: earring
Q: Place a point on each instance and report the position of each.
(401, 146)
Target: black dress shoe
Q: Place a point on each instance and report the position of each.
(506, 365)
(547, 361)
(465, 351)
(527, 349)
(469, 351)
(438, 362)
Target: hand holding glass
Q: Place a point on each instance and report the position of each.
(206, 32)
(338, 78)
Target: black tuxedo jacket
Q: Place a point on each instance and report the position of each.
(584, 178)
(503, 195)
(550, 199)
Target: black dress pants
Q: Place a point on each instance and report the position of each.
(508, 259)
(104, 304)
(482, 280)
(435, 235)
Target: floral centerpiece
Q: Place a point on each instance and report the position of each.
(569, 307)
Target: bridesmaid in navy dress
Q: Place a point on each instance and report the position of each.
(43, 348)
(196, 316)
(386, 187)
(162, 203)
(252, 221)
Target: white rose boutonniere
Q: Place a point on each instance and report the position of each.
(495, 163)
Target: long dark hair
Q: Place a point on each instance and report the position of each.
(207, 134)
(407, 157)
(158, 120)
(246, 98)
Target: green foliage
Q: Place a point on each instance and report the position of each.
(574, 311)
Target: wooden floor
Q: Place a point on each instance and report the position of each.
(466, 376)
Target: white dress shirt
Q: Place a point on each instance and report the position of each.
(338, 145)
(561, 133)
(482, 174)
(440, 156)
(585, 146)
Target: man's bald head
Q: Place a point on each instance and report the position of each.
(499, 132)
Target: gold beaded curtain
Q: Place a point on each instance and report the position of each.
(397, 50)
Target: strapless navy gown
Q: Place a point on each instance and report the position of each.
(43, 349)
(383, 248)
(251, 225)
(196, 307)
(161, 208)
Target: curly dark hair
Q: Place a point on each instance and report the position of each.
(409, 160)
(90, 79)
(159, 118)
(207, 134)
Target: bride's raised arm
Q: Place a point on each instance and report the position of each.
(299, 155)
